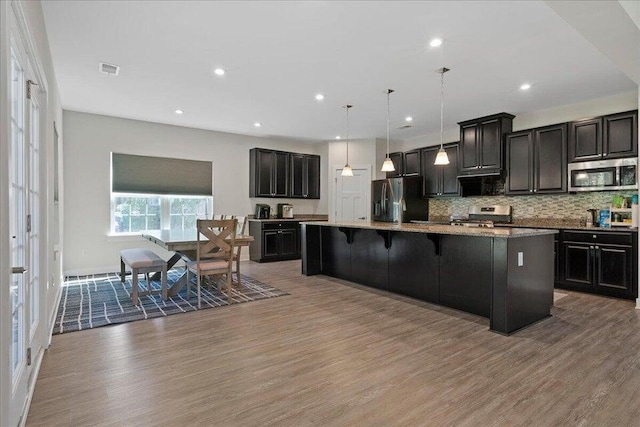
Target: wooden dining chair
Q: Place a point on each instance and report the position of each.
(240, 230)
(214, 254)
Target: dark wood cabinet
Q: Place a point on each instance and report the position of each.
(268, 173)
(599, 262)
(536, 161)
(274, 240)
(608, 137)
(305, 176)
(481, 142)
(620, 135)
(412, 263)
(412, 163)
(369, 258)
(440, 180)
(398, 163)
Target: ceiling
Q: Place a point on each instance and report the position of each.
(279, 55)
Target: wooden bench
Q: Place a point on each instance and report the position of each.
(143, 261)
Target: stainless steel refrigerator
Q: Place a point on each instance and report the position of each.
(399, 200)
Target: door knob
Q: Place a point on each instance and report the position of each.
(18, 270)
(363, 217)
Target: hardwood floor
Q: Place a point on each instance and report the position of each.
(338, 354)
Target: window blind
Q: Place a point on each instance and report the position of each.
(160, 175)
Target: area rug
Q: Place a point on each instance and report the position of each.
(99, 300)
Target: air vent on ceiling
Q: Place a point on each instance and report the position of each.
(112, 70)
(404, 127)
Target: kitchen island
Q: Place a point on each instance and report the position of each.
(501, 273)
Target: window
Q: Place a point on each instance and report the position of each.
(157, 193)
(134, 213)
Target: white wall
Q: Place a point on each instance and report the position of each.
(89, 140)
(594, 107)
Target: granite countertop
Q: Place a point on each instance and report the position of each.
(311, 217)
(506, 233)
(558, 224)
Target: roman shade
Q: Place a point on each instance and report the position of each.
(160, 175)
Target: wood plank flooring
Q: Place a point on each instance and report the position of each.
(338, 354)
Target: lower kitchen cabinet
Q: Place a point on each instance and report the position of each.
(274, 241)
(599, 262)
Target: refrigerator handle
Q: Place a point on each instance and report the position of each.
(384, 198)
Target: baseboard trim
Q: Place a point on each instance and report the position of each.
(54, 314)
(31, 388)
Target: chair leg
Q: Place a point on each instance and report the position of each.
(238, 270)
(122, 272)
(188, 284)
(149, 287)
(199, 302)
(134, 286)
(229, 287)
(164, 282)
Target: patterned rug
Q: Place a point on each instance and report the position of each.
(99, 300)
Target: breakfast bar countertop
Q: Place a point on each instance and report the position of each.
(296, 218)
(501, 232)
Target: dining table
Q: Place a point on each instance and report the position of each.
(184, 243)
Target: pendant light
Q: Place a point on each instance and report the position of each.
(441, 157)
(347, 171)
(387, 166)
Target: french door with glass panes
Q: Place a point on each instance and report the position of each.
(24, 223)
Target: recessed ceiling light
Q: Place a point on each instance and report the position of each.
(219, 71)
(257, 124)
(338, 137)
(178, 112)
(435, 42)
(408, 119)
(525, 86)
(319, 97)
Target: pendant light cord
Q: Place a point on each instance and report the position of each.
(348, 134)
(388, 94)
(442, 108)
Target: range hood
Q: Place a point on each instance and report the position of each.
(490, 184)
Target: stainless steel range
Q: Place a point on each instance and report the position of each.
(485, 216)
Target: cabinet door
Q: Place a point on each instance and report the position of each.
(398, 164)
(450, 183)
(614, 264)
(431, 174)
(578, 264)
(519, 163)
(469, 147)
(313, 177)
(550, 165)
(490, 136)
(585, 140)
(412, 163)
(288, 243)
(264, 165)
(281, 174)
(298, 175)
(620, 135)
(270, 244)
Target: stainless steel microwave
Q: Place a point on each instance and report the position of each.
(600, 175)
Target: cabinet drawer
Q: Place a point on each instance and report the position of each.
(280, 225)
(612, 237)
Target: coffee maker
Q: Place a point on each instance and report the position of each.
(263, 211)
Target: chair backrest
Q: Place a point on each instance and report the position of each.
(242, 224)
(219, 238)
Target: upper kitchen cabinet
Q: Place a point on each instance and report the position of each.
(537, 161)
(268, 173)
(398, 163)
(441, 180)
(481, 143)
(608, 137)
(305, 176)
(412, 163)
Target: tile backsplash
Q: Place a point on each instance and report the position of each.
(560, 206)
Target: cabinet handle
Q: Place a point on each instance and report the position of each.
(18, 270)
(530, 191)
(604, 155)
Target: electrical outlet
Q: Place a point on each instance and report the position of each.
(450, 210)
(520, 259)
(530, 210)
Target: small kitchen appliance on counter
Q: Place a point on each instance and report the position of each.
(285, 210)
(485, 216)
(262, 211)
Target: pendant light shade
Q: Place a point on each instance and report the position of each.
(347, 171)
(387, 166)
(441, 157)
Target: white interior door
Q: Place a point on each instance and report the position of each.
(25, 199)
(352, 195)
